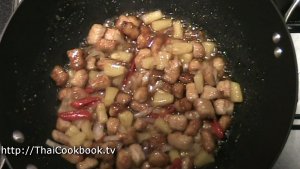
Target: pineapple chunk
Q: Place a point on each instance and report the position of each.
(117, 81)
(178, 30)
(143, 136)
(173, 154)
(209, 48)
(126, 118)
(191, 92)
(181, 48)
(203, 158)
(114, 70)
(162, 125)
(236, 92)
(73, 130)
(199, 82)
(110, 94)
(87, 144)
(77, 139)
(122, 56)
(161, 24)
(162, 98)
(86, 128)
(186, 58)
(152, 16)
(101, 113)
(162, 59)
(148, 63)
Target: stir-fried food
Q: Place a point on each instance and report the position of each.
(150, 86)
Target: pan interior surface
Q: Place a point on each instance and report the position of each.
(41, 32)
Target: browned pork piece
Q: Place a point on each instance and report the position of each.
(208, 141)
(76, 58)
(144, 38)
(59, 76)
(95, 34)
(130, 30)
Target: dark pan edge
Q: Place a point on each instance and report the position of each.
(296, 85)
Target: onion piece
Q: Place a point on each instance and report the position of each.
(93, 52)
(166, 148)
(152, 88)
(111, 138)
(149, 119)
(119, 146)
(143, 113)
(52, 143)
(146, 78)
(98, 131)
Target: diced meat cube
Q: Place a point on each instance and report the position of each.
(210, 74)
(183, 105)
(132, 19)
(80, 78)
(178, 90)
(144, 38)
(124, 160)
(140, 124)
(193, 127)
(123, 98)
(59, 76)
(194, 66)
(204, 108)
(172, 71)
(223, 106)
(138, 107)
(177, 122)
(112, 125)
(225, 122)
(225, 88)
(158, 159)
(91, 63)
(208, 141)
(143, 53)
(98, 80)
(76, 58)
(198, 50)
(210, 93)
(141, 94)
(180, 141)
(130, 30)
(96, 33)
(219, 65)
(114, 35)
(191, 92)
(106, 45)
(157, 43)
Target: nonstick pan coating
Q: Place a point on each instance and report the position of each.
(41, 32)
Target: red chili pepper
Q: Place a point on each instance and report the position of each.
(177, 164)
(217, 129)
(170, 109)
(75, 115)
(154, 115)
(130, 72)
(158, 115)
(89, 90)
(80, 103)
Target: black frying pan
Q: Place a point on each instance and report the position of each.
(41, 31)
